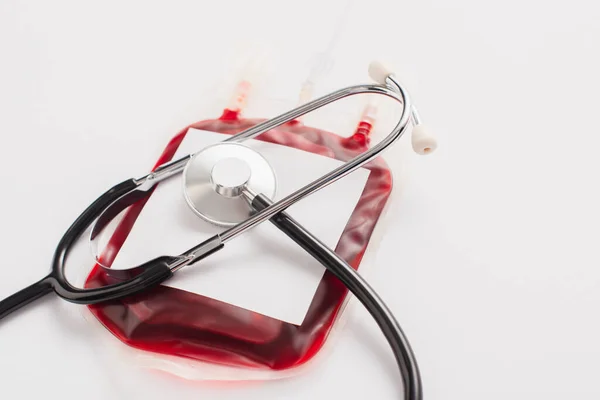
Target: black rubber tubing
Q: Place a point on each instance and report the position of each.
(152, 272)
(405, 358)
(147, 275)
(24, 297)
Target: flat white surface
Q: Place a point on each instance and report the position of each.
(277, 278)
(491, 261)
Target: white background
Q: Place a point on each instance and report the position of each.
(491, 260)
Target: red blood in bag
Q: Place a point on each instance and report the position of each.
(175, 322)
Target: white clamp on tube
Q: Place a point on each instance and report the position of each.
(422, 141)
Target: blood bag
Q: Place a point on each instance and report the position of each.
(203, 338)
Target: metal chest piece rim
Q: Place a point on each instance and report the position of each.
(219, 180)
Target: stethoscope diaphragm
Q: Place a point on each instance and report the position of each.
(219, 180)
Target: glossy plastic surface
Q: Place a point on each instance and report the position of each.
(171, 321)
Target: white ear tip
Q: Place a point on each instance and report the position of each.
(379, 72)
(422, 142)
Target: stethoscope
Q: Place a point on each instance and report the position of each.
(231, 185)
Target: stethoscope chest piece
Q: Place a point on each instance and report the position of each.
(219, 180)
